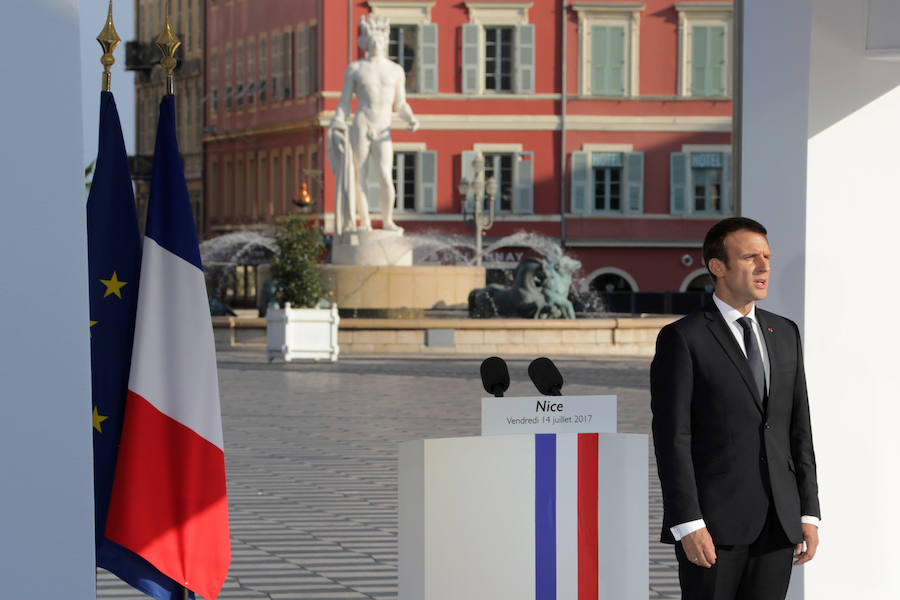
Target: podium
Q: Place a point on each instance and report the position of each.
(558, 516)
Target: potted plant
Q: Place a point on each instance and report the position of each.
(303, 324)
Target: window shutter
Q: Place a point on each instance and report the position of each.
(313, 59)
(428, 58)
(726, 182)
(581, 181)
(523, 180)
(303, 63)
(634, 182)
(716, 67)
(608, 60)
(472, 38)
(468, 173)
(700, 61)
(679, 174)
(288, 64)
(426, 183)
(276, 69)
(372, 187)
(524, 59)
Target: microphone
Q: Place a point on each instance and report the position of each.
(545, 376)
(495, 376)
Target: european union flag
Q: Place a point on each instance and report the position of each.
(114, 265)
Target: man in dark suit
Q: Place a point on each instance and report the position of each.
(732, 432)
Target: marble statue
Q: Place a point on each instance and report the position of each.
(380, 87)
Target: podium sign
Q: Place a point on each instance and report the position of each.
(512, 517)
(548, 414)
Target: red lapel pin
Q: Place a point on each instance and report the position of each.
(771, 330)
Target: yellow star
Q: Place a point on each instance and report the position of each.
(92, 324)
(98, 418)
(113, 285)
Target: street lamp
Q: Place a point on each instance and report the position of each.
(477, 190)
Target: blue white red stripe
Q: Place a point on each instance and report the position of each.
(169, 499)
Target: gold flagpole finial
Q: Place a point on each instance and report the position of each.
(108, 39)
(168, 43)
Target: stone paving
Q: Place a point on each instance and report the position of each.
(311, 452)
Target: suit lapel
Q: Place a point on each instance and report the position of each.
(718, 328)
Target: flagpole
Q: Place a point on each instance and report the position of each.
(168, 44)
(108, 39)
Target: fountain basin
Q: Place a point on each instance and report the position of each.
(396, 288)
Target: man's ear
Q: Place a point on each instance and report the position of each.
(717, 267)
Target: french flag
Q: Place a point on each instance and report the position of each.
(169, 501)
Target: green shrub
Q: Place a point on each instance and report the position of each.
(298, 279)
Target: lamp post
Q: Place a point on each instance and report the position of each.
(477, 190)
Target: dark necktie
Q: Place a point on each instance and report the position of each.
(754, 357)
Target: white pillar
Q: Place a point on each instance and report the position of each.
(46, 512)
(833, 261)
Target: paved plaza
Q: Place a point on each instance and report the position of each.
(311, 452)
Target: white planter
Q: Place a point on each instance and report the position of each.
(310, 333)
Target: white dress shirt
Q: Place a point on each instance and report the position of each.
(731, 316)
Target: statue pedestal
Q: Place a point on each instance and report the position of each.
(372, 248)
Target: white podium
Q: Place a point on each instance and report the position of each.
(524, 516)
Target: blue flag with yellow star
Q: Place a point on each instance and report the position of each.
(114, 265)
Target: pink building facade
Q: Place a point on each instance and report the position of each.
(627, 169)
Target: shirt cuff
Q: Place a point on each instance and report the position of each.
(683, 529)
(810, 520)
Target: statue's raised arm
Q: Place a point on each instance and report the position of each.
(380, 87)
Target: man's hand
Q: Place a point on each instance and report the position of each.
(413, 125)
(699, 548)
(810, 540)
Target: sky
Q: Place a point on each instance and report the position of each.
(93, 18)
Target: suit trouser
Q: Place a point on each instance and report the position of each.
(757, 571)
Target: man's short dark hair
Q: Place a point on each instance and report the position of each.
(714, 243)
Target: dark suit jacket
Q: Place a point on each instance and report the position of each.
(719, 452)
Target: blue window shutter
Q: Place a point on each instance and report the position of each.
(607, 60)
(472, 43)
(716, 68)
(524, 59)
(428, 58)
(372, 187)
(679, 163)
(468, 173)
(700, 61)
(303, 87)
(634, 182)
(426, 183)
(726, 183)
(523, 179)
(581, 182)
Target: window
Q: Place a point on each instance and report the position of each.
(250, 91)
(402, 50)
(607, 181)
(307, 71)
(498, 49)
(239, 81)
(263, 69)
(609, 44)
(277, 67)
(413, 42)
(414, 175)
(512, 169)
(700, 182)
(704, 49)
(228, 68)
(214, 80)
(287, 81)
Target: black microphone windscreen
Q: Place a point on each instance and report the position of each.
(545, 376)
(494, 375)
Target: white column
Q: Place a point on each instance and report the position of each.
(46, 514)
(833, 261)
